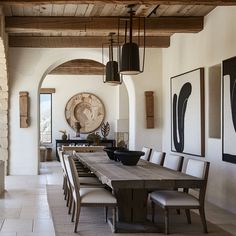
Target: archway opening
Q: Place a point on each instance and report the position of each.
(78, 76)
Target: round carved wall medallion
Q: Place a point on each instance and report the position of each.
(87, 109)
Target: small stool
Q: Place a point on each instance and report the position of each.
(42, 153)
(49, 154)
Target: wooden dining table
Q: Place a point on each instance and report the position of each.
(131, 185)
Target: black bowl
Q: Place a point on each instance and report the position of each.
(110, 152)
(129, 158)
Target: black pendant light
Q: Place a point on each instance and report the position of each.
(130, 58)
(111, 74)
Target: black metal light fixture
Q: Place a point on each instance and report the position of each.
(130, 53)
(111, 74)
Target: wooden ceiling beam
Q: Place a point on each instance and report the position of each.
(77, 71)
(101, 26)
(123, 2)
(79, 67)
(78, 42)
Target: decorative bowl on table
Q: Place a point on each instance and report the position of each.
(110, 152)
(129, 158)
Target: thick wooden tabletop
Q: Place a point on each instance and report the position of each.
(144, 175)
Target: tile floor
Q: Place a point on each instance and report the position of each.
(24, 209)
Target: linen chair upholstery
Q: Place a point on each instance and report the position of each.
(168, 199)
(147, 154)
(174, 162)
(157, 157)
(95, 197)
(86, 181)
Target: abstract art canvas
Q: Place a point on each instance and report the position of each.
(187, 113)
(229, 110)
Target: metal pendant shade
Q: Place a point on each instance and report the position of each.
(130, 53)
(112, 75)
(130, 59)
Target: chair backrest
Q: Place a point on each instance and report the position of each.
(72, 175)
(199, 169)
(147, 154)
(173, 162)
(60, 154)
(157, 157)
(196, 168)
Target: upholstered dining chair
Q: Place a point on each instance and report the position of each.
(174, 162)
(171, 199)
(65, 184)
(93, 197)
(147, 154)
(85, 181)
(157, 157)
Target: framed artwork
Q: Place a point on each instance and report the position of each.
(187, 113)
(229, 110)
(87, 109)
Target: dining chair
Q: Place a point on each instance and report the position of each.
(65, 184)
(147, 154)
(93, 197)
(174, 162)
(157, 157)
(87, 181)
(171, 199)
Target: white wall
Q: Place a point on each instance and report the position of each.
(150, 80)
(67, 86)
(205, 49)
(29, 66)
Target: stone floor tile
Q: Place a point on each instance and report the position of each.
(43, 226)
(17, 225)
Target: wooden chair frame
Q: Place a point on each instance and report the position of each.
(201, 199)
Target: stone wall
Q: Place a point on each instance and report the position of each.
(2, 177)
(3, 94)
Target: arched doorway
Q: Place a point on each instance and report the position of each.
(83, 75)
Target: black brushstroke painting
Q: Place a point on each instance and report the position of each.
(229, 68)
(179, 107)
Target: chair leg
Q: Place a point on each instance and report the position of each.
(77, 209)
(114, 220)
(153, 212)
(166, 221)
(203, 219)
(187, 212)
(70, 203)
(64, 184)
(73, 211)
(106, 213)
(68, 198)
(66, 193)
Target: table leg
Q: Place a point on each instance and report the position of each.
(132, 211)
(132, 205)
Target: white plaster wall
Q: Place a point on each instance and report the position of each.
(149, 80)
(67, 86)
(205, 49)
(28, 67)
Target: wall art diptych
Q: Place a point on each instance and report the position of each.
(229, 110)
(187, 113)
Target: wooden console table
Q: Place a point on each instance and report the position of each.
(103, 142)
